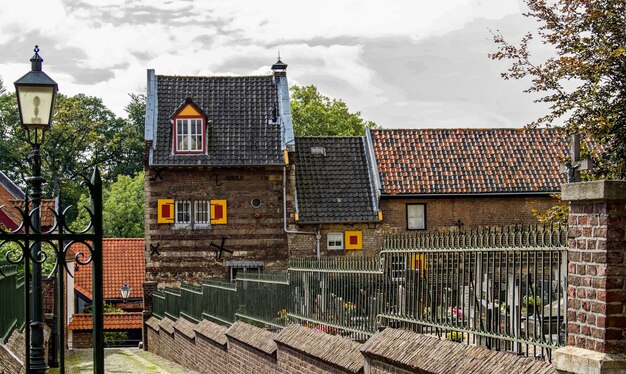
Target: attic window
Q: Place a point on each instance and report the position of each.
(318, 151)
(189, 129)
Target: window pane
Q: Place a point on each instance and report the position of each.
(183, 212)
(415, 217)
(201, 211)
(335, 240)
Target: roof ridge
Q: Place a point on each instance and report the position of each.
(216, 76)
(469, 129)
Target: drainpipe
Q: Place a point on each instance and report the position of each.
(317, 233)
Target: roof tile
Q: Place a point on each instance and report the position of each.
(112, 321)
(123, 263)
(444, 161)
(334, 187)
(238, 109)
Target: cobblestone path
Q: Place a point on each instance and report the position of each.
(123, 360)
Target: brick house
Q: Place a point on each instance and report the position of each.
(122, 264)
(415, 180)
(335, 197)
(446, 178)
(12, 199)
(215, 167)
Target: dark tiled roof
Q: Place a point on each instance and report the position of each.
(335, 187)
(445, 161)
(122, 262)
(238, 111)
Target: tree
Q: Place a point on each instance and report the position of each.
(84, 133)
(317, 115)
(585, 81)
(122, 208)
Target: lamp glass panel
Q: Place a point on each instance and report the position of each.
(35, 105)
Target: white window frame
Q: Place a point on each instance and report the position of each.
(413, 219)
(193, 134)
(182, 208)
(334, 238)
(202, 212)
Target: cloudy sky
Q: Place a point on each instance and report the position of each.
(401, 64)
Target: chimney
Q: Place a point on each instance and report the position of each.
(284, 108)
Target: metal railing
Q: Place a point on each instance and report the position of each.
(260, 299)
(11, 301)
(501, 287)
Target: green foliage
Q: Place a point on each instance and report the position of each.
(115, 338)
(122, 208)
(317, 115)
(584, 81)
(84, 133)
(106, 308)
(559, 213)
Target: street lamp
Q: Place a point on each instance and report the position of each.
(35, 99)
(125, 291)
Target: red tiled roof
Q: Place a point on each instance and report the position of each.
(45, 211)
(123, 262)
(112, 321)
(462, 161)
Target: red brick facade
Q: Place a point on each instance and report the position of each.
(597, 275)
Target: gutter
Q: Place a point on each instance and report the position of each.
(483, 194)
(318, 235)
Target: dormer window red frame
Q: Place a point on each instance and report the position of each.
(190, 129)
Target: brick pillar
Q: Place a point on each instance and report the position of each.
(148, 289)
(596, 307)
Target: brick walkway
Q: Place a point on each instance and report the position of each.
(123, 360)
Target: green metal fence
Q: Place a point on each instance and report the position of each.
(502, 287)
(261, 299)
(11, 301)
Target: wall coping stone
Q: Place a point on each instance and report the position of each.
(422, 353)
(184, 327)
(327, 348)
(212, 331)
(594, 190)
(253, 336)
(167, 325)
(572, 359)
(153, 323)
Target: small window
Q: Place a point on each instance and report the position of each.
(335, 241)
(202, 209)
(416, 216)
(183, 211)
(318, 151)
(398, 266)
(189, 135)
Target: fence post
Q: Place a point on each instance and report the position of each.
(596, 307)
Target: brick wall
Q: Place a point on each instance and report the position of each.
(597, 275)
(246, 349)
(12, 354)
(472, 211)
(440, 213)
(252, 233)
(81, 339)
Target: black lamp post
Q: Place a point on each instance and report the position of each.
(35, 99)
(125, 292)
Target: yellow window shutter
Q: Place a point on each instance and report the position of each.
(353, 240)
(165, 209)
(219, 212)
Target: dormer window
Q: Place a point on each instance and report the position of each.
(190, 129)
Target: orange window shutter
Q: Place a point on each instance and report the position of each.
(353, 240)
(218, 212)
(165, 209)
